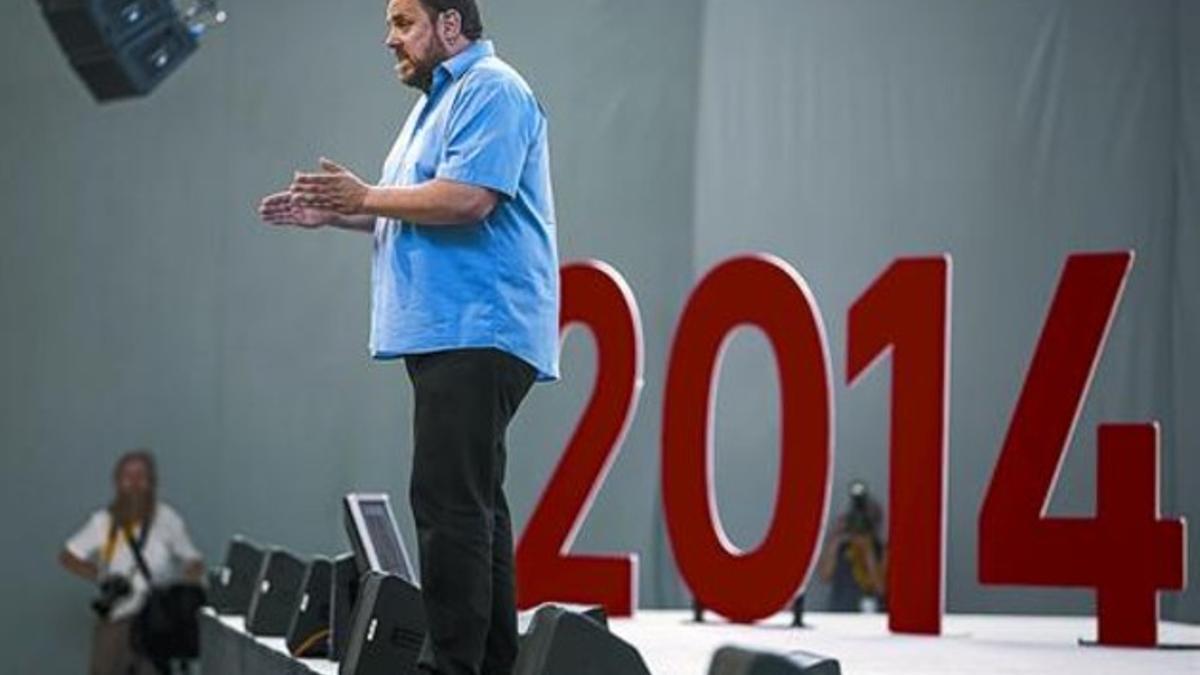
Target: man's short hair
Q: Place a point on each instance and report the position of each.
(472, 24)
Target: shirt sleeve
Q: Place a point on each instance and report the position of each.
(180, 543)
(86, 543)
(488, 135)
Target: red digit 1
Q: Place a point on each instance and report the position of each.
(1125, 551)
(764, 292)
(596, 296)
(906, 312)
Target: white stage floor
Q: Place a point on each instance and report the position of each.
(972, 644)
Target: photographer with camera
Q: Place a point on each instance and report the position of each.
(854, 559)
(106, 551)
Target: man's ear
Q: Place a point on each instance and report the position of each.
(450, 26)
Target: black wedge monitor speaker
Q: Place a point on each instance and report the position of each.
(594, 612)
(388, 628)
(562, 642)
(232, 585)
(308, 632)
(276, 595)
(738, 661)
(120, 48)
(343, 594)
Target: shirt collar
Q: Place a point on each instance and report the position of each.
(460, 63)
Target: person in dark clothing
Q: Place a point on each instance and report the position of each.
(854, 560)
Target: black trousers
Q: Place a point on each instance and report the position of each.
(464, 402)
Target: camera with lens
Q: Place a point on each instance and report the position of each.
(859, 520)
(112, 590)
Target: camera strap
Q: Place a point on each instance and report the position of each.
(135, 545)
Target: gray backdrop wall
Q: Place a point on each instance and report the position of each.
(840, 135)
(141, 303)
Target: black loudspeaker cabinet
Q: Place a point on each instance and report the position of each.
(120, 48)
(308, 632)
(276, 595)
(388, 628)
(595, 613)
(232, 585)
(561, 642)
(343, 596)
(87, 27)
(738, 661)
(136, 68)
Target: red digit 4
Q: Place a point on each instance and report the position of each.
(1125, 552)
(597, 297)
(906, 312)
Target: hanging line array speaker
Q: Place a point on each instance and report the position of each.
(120, 48)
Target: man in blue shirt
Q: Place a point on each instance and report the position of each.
(465, 289)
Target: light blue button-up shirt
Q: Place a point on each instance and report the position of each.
(487, 284)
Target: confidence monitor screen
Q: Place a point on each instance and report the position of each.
(375, 536)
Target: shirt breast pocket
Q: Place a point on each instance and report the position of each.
(419, 163)
(425, 167)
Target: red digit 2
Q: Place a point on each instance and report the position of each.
(595, 296)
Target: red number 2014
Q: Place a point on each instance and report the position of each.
(1125, 552)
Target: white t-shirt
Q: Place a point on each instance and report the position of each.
(166, 550)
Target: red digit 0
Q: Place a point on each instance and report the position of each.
(906, 312)
(1126, 552)
(764, 292)
(596, 296)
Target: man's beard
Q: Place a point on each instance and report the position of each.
(421, 79)
(422, 76)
